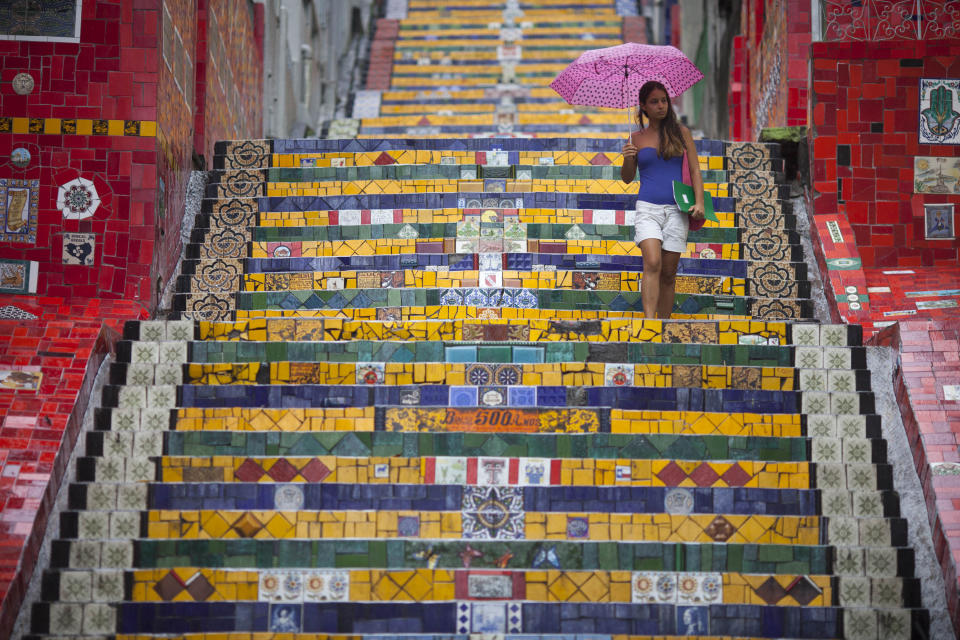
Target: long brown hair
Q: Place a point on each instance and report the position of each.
(671, 136)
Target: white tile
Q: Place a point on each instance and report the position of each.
(99, 618)
(66, 618)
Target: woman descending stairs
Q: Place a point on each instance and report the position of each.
(390, 409)
(407, 390)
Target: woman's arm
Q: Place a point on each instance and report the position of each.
(628, 170)
(693, 164)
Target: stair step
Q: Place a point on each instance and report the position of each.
(612, 187)
(239, 214)
(372, 554)
(567, 422)
(711, 332)
(610, 373)
(247, 152)
(244, 207)
(214, 280)
(435, 395)
(464, 171)
(440, 620)
(424, 304)
(131, 355)
(547, 262)
(751, 214)
(497, 330)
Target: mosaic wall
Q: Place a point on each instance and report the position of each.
(769, 70)
(47, 19)
(858, 20)
(233, 70)
(902, 113)
(94, 105)
(174, 123)
(940, 111)
(104, 113)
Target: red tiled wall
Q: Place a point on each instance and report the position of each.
(38, 429)
(174, 129)
(866, 97)
(737, 112)
(200, 80)
(381, 54)
(635, 29)
(769, 72)
(110, 75)
(127, 67)
(926, 363)
(233, 101)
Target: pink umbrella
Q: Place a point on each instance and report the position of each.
(612, 76)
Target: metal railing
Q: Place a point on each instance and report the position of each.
(870, 20)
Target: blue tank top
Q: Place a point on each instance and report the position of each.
(656, 176)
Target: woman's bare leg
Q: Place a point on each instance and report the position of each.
(669, 262)
(650, 285)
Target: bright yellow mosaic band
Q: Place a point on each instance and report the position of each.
(420, 5)
(489, 55)
(423, 7)
(475, 69)
(777, 425)
(469, 95)
(336, 525)
(573, 44)
(286, 420)
(624, 422)
(378, 187)
(534, 330)
(415, 279)
(369, 158)
(593, 135)
(409, 314)
(79, 127)
(469, 28)
(463, 14)
(435, 420)
(322, 636)
(361, 419)
(429, 216)
(397, 246)
(438, 585)
(551, 374)
(574, 472)
(429, 185)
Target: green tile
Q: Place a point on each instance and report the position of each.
(276, 351)
(495, 354)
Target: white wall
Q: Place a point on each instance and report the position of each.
(306, 45)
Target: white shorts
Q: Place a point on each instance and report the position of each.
(665, 222)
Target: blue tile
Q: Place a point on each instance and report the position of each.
(463, 396)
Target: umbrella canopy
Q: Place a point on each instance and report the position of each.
(612, 76)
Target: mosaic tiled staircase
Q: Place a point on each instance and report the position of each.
(409, 390)
(414, 394)
(482, 68)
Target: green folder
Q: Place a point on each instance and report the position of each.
(683, 194)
